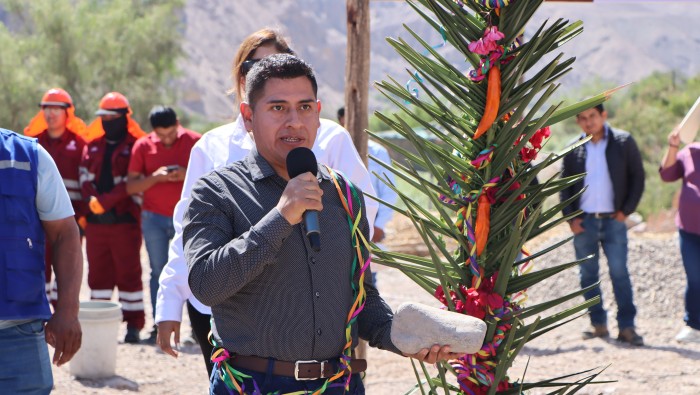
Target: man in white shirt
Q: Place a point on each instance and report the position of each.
(614, 184)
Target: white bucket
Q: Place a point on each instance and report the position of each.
(97, 357)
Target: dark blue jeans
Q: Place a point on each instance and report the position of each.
(690, 252)
(612, 236)
(157, 230)
(269, 384)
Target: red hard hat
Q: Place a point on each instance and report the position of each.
(111, 102)
(56, 97)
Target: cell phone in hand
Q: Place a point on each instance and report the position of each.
(171, 168)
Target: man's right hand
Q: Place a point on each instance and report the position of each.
(95, 206)
(64, 334)
(161, 175)
(165, 330)
(575, 226)
(177, 174)
(674, 138)
(302, 193)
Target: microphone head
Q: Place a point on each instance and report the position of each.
(301, 160)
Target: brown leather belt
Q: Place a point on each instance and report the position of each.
(300, 370)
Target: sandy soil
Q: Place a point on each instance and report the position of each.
(663, 366)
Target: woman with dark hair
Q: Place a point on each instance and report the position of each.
(222, 146)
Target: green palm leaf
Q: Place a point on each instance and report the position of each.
(453, 224)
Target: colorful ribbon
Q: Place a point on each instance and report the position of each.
(492, 4)
(484, 157)
(416, 77)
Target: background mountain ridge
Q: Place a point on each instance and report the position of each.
(652, 37)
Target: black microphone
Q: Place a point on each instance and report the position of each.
(301, 160)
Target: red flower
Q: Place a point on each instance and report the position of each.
(440, 295)
(476, 389)
(539, 136)
(479, 389)
(491, 299)
(528, 154)
(487, 297)
(504, 385)
(514, 187)
(473, 307)
(530, 150)
(491, 194)
(478, 302)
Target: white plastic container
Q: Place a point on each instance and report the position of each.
(97, 357)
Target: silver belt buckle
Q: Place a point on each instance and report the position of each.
(296, 370)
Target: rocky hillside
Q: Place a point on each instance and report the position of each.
(620, 43)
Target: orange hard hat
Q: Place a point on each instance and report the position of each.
(113, 103)
(56, 97)
(61, 98)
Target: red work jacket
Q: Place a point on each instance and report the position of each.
(90, 171)
(67, 152)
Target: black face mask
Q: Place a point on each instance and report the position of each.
(115, 129)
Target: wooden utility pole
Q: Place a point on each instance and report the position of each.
(357, 74)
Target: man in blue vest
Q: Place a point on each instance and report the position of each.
(34, 208)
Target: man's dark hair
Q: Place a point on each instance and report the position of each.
(162, 117)
(283, 66)
(598, 107)
(341, 112)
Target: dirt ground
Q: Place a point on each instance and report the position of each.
(663, 366)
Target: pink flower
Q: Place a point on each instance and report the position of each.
(482, 47)
(487, 43)
(495, 55)
(493, 34)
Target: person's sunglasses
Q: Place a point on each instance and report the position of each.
(247, 65)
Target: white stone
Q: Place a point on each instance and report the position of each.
(417, 326)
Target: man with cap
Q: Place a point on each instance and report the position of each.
(113, 232)
(60, 132)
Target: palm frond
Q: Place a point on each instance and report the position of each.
(460, 175)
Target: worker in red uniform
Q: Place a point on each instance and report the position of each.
(113, 232)
(59, 131)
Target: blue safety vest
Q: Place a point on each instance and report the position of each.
(22, 289)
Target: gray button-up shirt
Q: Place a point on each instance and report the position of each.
(271, 294)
